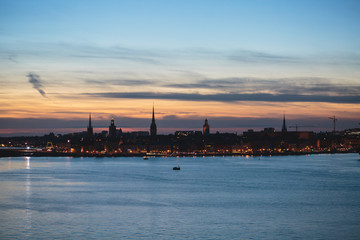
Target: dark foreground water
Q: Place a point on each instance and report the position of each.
(293, 197)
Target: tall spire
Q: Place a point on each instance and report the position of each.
(153, 128)
(90, 135)
(89, 120)
(90, 128)
(153, 116)
(284, 128)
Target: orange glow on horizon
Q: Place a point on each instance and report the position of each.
(30, 106)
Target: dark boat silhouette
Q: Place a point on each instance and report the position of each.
(176, 168)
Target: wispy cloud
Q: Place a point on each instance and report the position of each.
(298, 86)
(145, 56)
(254, 56)
(230, 97)
(34, 79)
(242, 85)
(166, 57)
(121, 82)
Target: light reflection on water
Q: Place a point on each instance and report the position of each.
(305, 197)
(28, 210)
(27, 162)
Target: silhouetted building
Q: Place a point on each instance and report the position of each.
(112, 130)
(112, 143)
(269, 130)
(187, 133)
(284, 128)
(153, 128)
(206, 128)
(90, 132)
(89, 140)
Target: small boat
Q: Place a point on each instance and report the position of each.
(145, 158)
(176, 167)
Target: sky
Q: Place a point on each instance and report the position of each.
(240, 64)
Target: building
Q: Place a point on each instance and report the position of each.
(112, 130)
(89, 140)
(206, 128)
(187, 133)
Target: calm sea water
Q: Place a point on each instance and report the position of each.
(288, 197)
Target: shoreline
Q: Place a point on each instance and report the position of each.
(30, 153)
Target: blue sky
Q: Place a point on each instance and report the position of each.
(276, 56)
(271, 26)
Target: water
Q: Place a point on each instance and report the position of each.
(289, 197)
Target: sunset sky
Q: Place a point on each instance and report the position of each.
(240, 64)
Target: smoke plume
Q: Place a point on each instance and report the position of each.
(34, 79)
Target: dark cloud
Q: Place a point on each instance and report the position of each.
(298, 86)
(323, 89)
(230, 97)
(170, 117)
(32, 123)
(36, 82)
(130, 82)
(191, 85)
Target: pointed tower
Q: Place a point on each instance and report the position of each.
(284, 128)
(153, 128)
(90, 132)
(206, 128)
(89, 141)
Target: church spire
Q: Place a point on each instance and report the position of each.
(284, 128)
(153, 116)
(90, 128)
(89, 120)
(153, 128)
(90, 135)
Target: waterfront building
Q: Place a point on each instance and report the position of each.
(187, 133)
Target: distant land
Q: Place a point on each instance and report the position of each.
(115, 142)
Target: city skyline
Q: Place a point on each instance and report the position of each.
(98, 126)
(239, 64)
